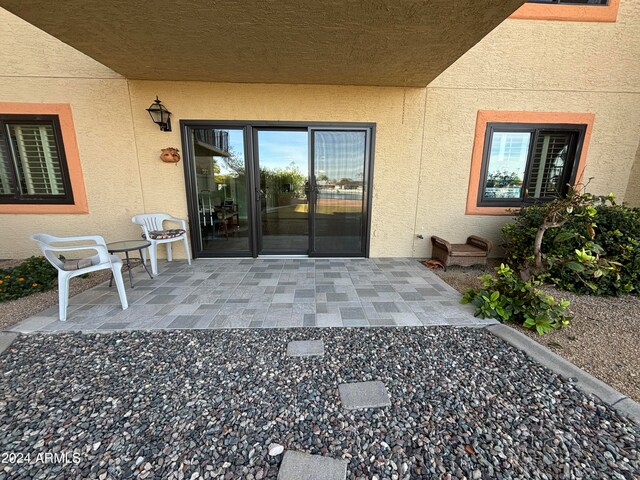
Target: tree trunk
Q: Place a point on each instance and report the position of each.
(537, 247)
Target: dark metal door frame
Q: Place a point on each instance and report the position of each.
(250, 129)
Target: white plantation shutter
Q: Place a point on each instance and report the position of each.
(5, 167)
(37, 159)
(548, 162)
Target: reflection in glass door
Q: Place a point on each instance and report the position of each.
(221, 189)
(283, 164)
(340, 169)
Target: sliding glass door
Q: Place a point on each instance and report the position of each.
(277, 188)
(220, 207)
(282, 161)
(339, 160)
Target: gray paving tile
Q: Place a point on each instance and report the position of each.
(338, 297)
(269, 293)
(386, 307)
(184, 321)
(328, 320)
(161, 299)
(360, 395)
(352, 313)
(299, 466)
(305, 348)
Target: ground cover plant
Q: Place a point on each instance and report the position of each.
(35, 274)
(508, 298)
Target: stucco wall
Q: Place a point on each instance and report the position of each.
(398, 113)
(544, 66)
(37, 68)
(633, 188)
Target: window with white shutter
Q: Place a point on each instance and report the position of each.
(572, 2)
(525, 163)
(32, 161)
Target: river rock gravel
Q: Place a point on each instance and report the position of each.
(207, 404)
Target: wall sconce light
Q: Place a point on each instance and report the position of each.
(160, 115)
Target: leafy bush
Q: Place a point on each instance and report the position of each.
(593, 253)
(507, 298)
(33, 275)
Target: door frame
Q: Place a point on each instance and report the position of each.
(250, 147)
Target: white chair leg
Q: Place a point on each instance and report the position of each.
(117, 276)
(169, 253)
(154, 259)
(63, 295)
(186, 249)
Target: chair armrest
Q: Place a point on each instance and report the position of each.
(181, 221)
(480, 242)
(441, 242)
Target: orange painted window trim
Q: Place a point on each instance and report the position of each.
(492, 116)
(568, 13)
(68, 132)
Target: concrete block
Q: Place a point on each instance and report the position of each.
(629, 409)
(305, 348)
(302, 466)
(6, 339)
(364, 395)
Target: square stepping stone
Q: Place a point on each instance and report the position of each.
(305, 348)
(302, 466)
(359, 395)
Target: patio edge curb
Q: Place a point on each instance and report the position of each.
(6, 339)
(581, 379)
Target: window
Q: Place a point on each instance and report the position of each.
(569, 10)
(33, 167)
(524, 163)
(572, 2)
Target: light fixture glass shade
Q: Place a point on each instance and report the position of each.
(160, 115)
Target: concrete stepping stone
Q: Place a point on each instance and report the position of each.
(6, 339)
(302, 466)
(359, 395)
(305, 348)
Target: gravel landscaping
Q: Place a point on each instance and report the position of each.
(207, 404)
(17, 310)
(602, 339)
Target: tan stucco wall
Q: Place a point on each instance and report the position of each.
(543, 66)
(632, 196)
(398, 113)
(424, 137)
(37, 68)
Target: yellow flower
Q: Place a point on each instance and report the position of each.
(7, 276)
(34, 284)
(1, 282)
(21, 279)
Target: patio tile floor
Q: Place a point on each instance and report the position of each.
(267, 293)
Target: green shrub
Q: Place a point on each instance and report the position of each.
(507, 298)
(596, 257)
(35, 274)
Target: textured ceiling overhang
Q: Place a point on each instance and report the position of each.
(345, 42)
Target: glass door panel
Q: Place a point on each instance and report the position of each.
(221, 188)
(339, 165)
(283, 164)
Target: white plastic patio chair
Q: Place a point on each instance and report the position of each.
(72, 268)
(152, 225)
